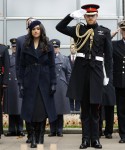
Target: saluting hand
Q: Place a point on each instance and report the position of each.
(77, 14)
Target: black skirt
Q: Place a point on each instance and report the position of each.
(39, 113)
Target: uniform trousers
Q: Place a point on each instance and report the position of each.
(107, 114)
(1, 120)
(90, 121)
(120, 101)
(74, 105)
(15, 123)
(57, 125)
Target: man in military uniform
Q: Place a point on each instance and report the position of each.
(119, 79)
(12, 101)
(63, 72)
(4, 73)
(93, 44)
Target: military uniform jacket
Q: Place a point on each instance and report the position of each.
(37, 70)
(101, 46)
(12, 101)
(63, 72)
(4, 62)
(119, 64)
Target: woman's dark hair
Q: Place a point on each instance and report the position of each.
(43, 42)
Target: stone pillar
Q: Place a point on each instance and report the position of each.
(123, 8)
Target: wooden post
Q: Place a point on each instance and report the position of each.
(53, 147)
(40, 147)
(24, 147)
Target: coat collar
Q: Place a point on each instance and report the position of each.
(59, 59)
(34, 52)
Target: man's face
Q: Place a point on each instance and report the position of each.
(123, 33)
(56, 49)
(72, 49)
(91, 19)
(13, 49)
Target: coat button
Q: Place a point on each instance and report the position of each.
(123, 61)
(57, 75)
(123, 67)
(123, 72)
(9, 73)
(59, 69)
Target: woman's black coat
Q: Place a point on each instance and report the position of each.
(37, 70)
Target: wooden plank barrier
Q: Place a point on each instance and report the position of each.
(24, 147)
(39, 147)
(53, 147)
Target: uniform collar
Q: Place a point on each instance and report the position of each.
(93, 26)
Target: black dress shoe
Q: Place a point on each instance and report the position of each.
(122, 141)
(52, 134)
(84, 144)
(60, 134)
(108, 136)
(96, 144)
(101, 134)
(28, 140)
(20, 133)
(10, 134)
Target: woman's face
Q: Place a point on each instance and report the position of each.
(36, 31)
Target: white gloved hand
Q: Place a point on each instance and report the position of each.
(78, 13)
(105, 81)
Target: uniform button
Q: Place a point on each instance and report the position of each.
(123, 67)
(60, 65)
(123, 61)
(15, 78)
(124, 57)
(59, 69)
(9, 78)
(123, 72)
(57, 75)
(9, 73)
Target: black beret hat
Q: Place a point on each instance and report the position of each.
(55, 42)
(33, 24)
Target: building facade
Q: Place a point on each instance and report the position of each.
(13, 14)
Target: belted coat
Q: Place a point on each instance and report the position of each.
(12, 100)
(37, 71)
(86, 80)
(63, 72)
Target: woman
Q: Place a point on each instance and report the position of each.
(37, 75)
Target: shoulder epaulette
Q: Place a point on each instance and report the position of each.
(81, 23)
(104, 27)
